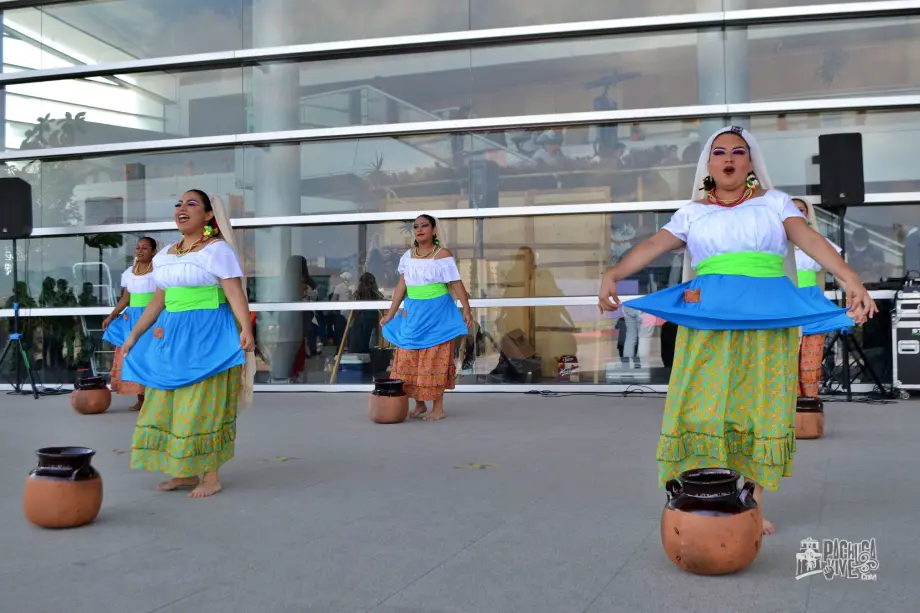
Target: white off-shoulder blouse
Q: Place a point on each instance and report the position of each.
(208, 266)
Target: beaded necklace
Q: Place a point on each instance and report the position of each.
(140, 272)
(180, 251)
(711, 198)
(434, 251)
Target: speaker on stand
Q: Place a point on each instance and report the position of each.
(16, 203)
(840, 158)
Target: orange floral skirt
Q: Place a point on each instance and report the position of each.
(810, 354)
(425, 373)
(119, 386)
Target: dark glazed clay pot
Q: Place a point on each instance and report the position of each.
(388, 403)
(64, 490)
(809, 418)
(90, 396)
(711, 524)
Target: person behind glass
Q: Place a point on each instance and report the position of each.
(733, 388)
(424, 333)
(811, 349)
(362, 336)
(198, 365)
(139, 288)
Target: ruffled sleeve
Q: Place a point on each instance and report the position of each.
(401, 268)
(784, 205)
(222, 261)
(679, 225)
(447, 269)
(125, 276)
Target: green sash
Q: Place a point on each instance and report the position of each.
(426, 292)
(179, 299)
(744, 264)
(807, 278)
(140, 300)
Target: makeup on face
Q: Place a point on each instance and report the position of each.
(422, 229)
(739, 151)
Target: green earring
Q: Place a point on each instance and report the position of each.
(752, 181)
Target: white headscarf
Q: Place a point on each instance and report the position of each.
(760, 169)
(249, 369)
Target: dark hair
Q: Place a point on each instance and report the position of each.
(367, 288)
(434, 224)
(153, 243)
(206, 202)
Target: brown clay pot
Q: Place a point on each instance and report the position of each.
(64, 490)
(388, 403)
(91, 396)
(711, 525)
(809, 418)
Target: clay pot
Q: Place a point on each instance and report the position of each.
(90, 396)
(809, 418)
(64, 490)
(711, 524)
(388, 403)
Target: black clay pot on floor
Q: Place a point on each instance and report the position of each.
(64, 490)
(711, 524)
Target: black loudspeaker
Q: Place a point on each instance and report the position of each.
(15, 208)
(841, 160)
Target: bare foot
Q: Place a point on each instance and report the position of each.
(209, 486)
(177, 483)
(768, 527)
(137, 406)
(435, 416)
(420, 409)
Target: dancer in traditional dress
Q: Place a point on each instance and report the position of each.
(139, 288)
(733, 389)
(811, 349)
(197, 366)
(424, 334)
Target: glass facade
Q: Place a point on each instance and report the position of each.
(593, 126)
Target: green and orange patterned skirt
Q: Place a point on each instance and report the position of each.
(811, 353)
(731, 404)
(425, 373)
(118, 386)
(188, 431)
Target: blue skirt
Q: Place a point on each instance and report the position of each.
(837, 323)
(121, 326)
(185, 348)
(426, 324)
(734, 302)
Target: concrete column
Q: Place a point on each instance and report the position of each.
(273, 91)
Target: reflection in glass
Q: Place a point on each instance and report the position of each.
(66, 33)
(634, 71)
(507, 345)
(859, 57)
(85, 270)
(515, 257)
(524, 79)
(882, 242)
(642, 162)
